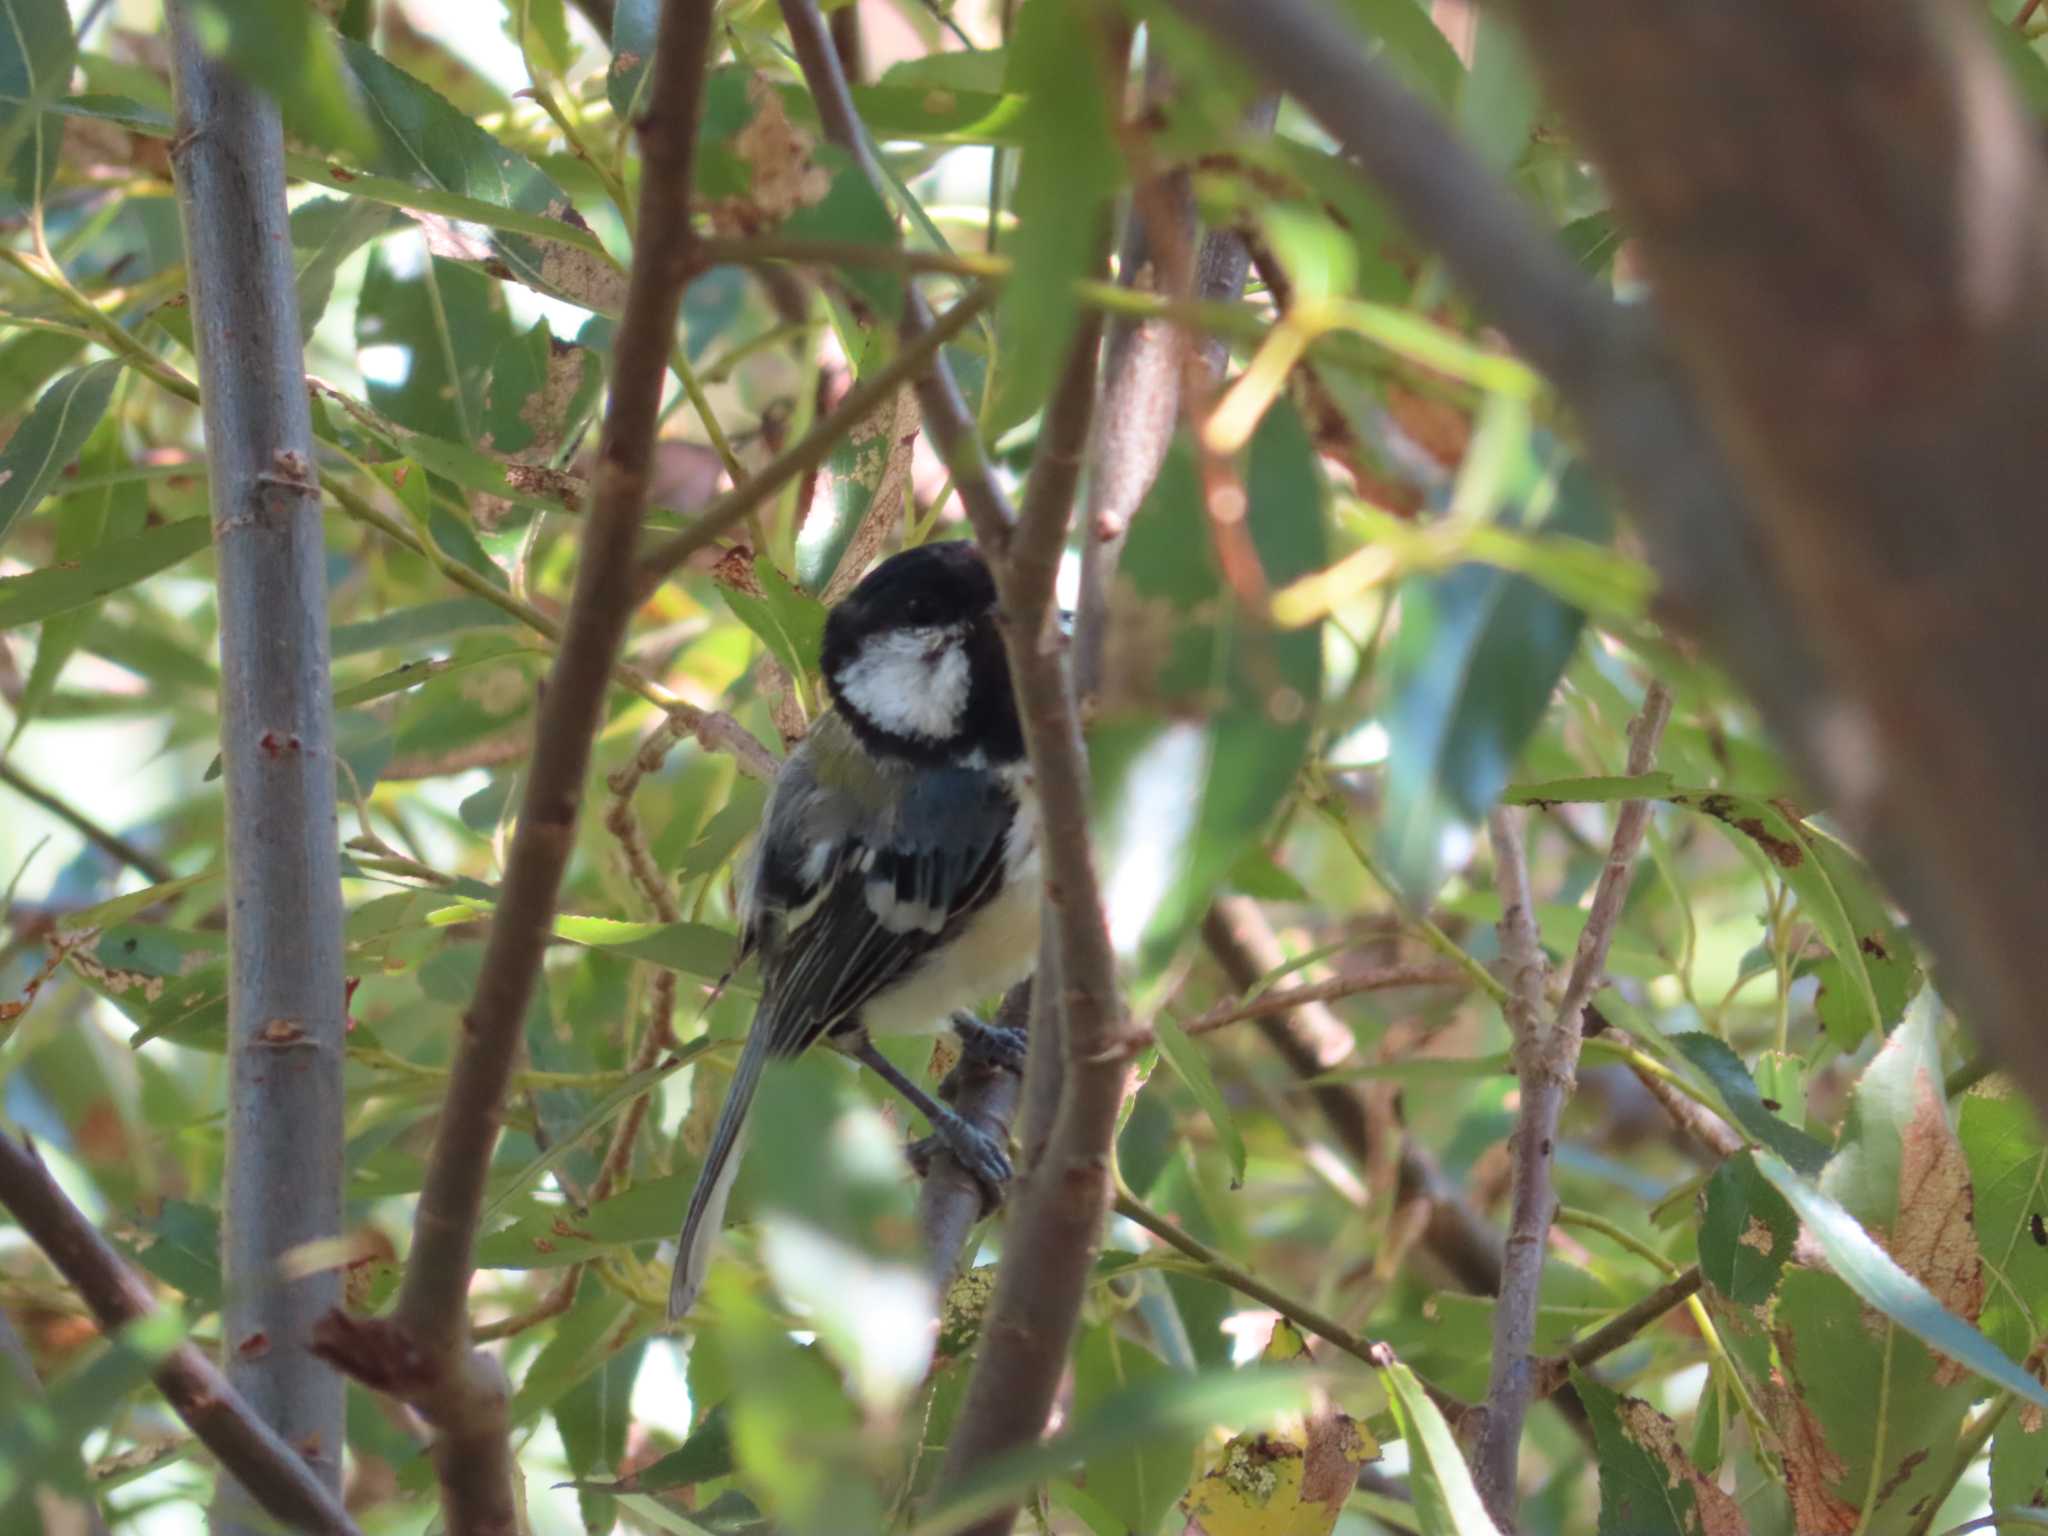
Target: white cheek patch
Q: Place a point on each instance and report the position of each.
(910, 682)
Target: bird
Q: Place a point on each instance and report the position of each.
(895, 879)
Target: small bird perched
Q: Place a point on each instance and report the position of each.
(895, 879)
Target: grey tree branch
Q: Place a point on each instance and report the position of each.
(277, 1479)
(286, 1001)
(950, 1203)
(1546, 1055)
(422, 1352)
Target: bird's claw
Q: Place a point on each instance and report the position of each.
(982, 1154)
(999, 1045)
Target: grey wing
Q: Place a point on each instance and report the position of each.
(897, 887)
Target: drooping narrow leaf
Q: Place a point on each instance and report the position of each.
(1070, 170)
(1738, 1090)
(51, 438)
(1446, 1501)
(36, 46)
(1193, 1069)
(40, 594)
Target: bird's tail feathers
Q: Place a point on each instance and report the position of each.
(706, 1215)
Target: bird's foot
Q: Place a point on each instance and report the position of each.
(999, 1045)
(982, 1154)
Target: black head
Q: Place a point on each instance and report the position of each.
(914, 661)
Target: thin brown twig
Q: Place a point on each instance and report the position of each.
(1617, 1331)
(1380, 978)
(268, 1469)
(423, 1351)
(624, 826)
(1546, 1056)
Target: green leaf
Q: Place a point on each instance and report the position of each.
(789, 622)
(51, 437)
(1881, 947)
(412, 626)
(1497, 104)
(634, 25)
(1648, 1485)
(705, 1455)
(1873, 1275)
(1069, 173)
(1158, 1405)
(412, 674)
(851, 210)
(180, 1245)
(424, 140)
(1789, 846)
(116, 509)
(942, 115)
(554, 1237)
(41, 1434)
(1470, 674)
(27, 361)
(1208, 713)
(325, 232)
(1599, 790)
(1446, 1502)
(289, 50)
(1192, 1067)
(1745, 1106)
(36, 48)
(1746, 1234)
(448, 321)
(1410, 44)
(539, 388)
(1139, 1484)
(59, 589)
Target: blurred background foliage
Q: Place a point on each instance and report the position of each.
(1448, 612)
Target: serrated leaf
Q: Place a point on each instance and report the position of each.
(1192, 1067)
(1648, 1485)
(59, 589)
(1446, 1502)
(1746, 1234)
(51, 437)
(1876, 1278)
(1738, 1091)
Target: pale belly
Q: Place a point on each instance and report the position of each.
(997, 949)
